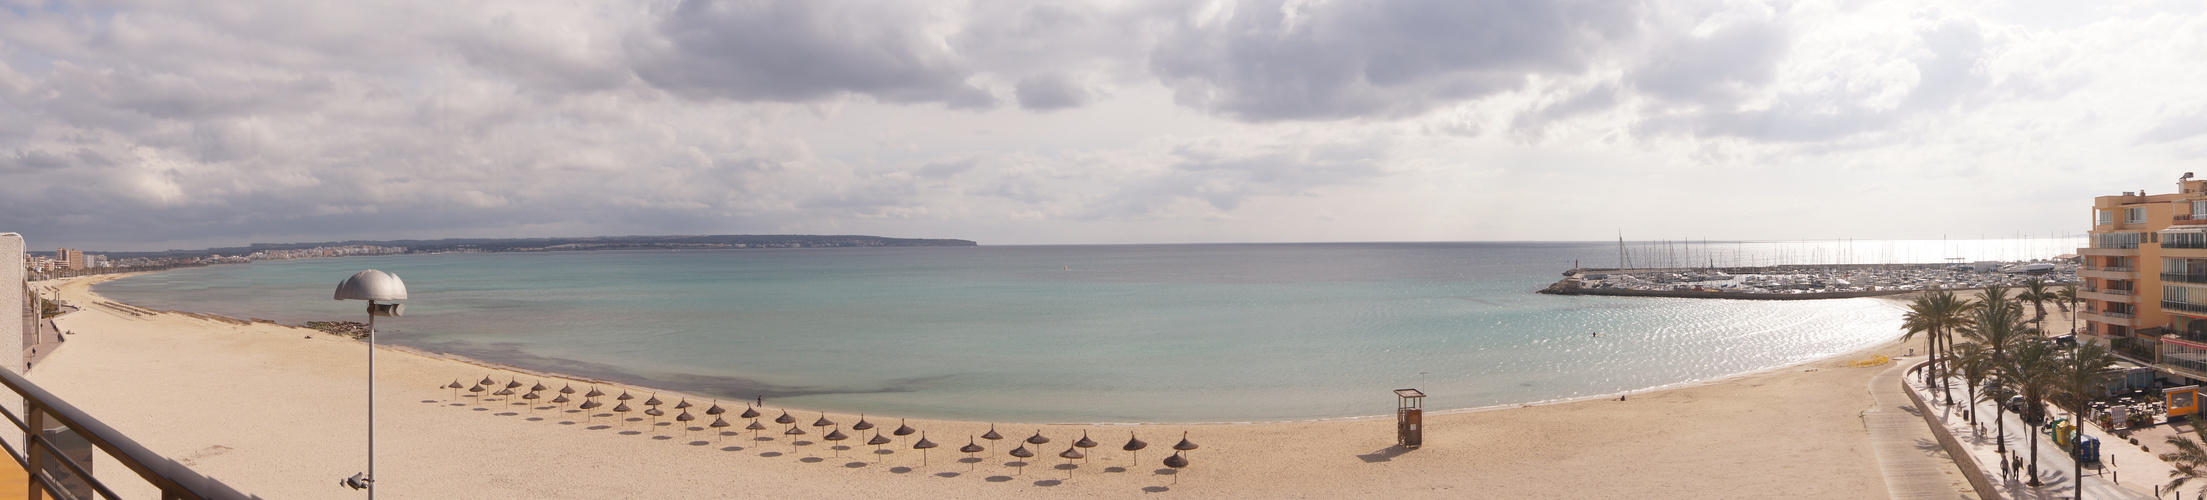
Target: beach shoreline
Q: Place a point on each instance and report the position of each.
(313, 386)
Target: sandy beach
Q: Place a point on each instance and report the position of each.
(279, 412)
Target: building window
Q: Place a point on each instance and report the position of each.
(2199, 209)
(2184, 240)
(2134, 215)
(2106, 217)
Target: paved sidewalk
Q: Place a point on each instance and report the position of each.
(1915, 465)
(2120, 458)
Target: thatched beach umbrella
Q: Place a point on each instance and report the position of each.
(487, 381)
(1176, 462)
(923, 446)
(622, 408)
(594, 392)
(793, 431)
(539, 387)
(1184, 444)
(717, 425)
(992, 436)
(785, 419)
(823, 421)
(567, 389)
(1084, 443)
(1038, 440)
(755, 427)
(503, 392)
(654, 401)
(835, 436)
(1022, 454)
(749, 412)
(560, 400)
(1135, 445)
(624, 397)
(877, 441)
(455, 387)
(478, 390)
(586, 406)
(513, 384)
(684, 405)
(903, 430)
(655, 412)
(970, 448)
(862, 424)
(1070, 454)
(715, 409)
(531, 399)
(684, 420)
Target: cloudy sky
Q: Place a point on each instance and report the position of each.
(128, 125)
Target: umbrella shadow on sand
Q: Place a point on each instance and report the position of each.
(1384, 454)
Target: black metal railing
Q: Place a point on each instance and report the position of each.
(2137, 348)
(2183, 306)
(2184, 277)
(72, 478)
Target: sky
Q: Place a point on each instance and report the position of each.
(147, 125)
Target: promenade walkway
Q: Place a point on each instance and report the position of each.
(2140, 470)
(1915, 465)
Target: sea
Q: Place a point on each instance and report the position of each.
(1095, 333)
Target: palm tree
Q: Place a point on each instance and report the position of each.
(2190, 458)
(2068, 303)
(2032, 369)
(2038, 294)
(2080, 381)
(1974, 362)
(1997, 325)
(1937, 315)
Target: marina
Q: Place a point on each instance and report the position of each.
(1801, 282)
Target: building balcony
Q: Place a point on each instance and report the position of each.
(2123, 296)
(2183, 307)
(2109, 318)
(2117, 273)
(2111, 252)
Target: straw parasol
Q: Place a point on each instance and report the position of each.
(654, 401)
(1176, 462)
(455, 387)
(715, 409)
(717, 425)
(568, 389)
(513, 384)
(1135, 445)
(836, 436)
(903, 430)
(684, 405)
(755, 427)
(478, 390)
(992, 436)
(531, 399)
(1070, 454)
(594, 392)
(503, 392)
(793, 431)
(862, 424)
(1084, 443)
(970, 448)
(1022, 453)
(877, 441)
(684, 419)
(622, 408)
(539, 387)
(823, 421)
(487, 381)
(624, 397)
(1185, 444)
(785, 419)
(586, 406)
(749, 412)
(1038, 440)
(560, 400)
(923, 446)
(655, 412)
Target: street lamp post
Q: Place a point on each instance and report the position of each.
(372, 286)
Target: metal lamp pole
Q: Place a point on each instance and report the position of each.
(373, 286)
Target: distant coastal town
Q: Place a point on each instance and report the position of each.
(66, 262)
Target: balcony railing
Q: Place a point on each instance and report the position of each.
(2183, 306)
(55, 474)
(2172, 243)
(2184, 277)
(2111, 269)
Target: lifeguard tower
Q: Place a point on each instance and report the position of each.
(1409, 417)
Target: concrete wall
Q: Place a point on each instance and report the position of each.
(12, 294)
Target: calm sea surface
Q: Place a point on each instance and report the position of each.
(1138, 333)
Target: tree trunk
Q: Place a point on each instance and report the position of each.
(2000, 426)
(2034, 457)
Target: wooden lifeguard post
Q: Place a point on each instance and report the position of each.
(1409, 417)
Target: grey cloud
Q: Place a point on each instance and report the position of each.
(788, 50)
(1716, 70)
(1268, 60)
(1224, 176)
(1050, 92)
(1594, 100)
(2175, 128)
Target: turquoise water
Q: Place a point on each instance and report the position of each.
(1144, 333)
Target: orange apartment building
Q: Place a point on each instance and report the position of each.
(2145, 276)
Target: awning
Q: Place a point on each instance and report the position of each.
(2184, 229)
